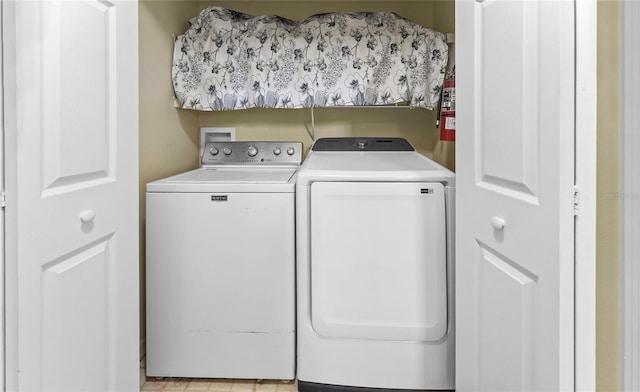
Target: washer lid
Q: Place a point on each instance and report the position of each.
(234, 175)
(227, 180)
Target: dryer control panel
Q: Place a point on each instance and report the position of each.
(252, 153)
(362, 144)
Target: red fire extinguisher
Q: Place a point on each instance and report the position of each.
(448, 109)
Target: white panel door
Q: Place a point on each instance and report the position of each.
(72, 213)
(515, 176)
(379, 260)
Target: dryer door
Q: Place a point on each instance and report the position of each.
(378, 260)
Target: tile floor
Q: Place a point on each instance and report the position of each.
(216, 385)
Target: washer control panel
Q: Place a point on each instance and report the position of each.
(252, 153)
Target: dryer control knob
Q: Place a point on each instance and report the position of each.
(252, 151)
(277, 151)
(291, 151)
(227, 151)
(214, 151)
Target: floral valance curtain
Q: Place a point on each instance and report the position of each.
(230, 60)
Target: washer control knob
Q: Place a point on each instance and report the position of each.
(362, 145)
(252, 151)
(214, 151)
(277, 151)
(291, 151)
(226, 151)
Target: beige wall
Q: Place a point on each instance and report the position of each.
(444, 20)
(169, 138)
(608, 206)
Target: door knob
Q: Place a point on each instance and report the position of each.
(498, 223)
(87, 216)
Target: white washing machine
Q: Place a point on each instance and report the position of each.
(374, 267)
(220, 265)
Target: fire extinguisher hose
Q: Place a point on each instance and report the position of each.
(439, 109)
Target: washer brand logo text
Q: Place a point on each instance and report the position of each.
(218, 197)
(428, 191)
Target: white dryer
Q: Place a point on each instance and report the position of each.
(221, 265)
(374, 267)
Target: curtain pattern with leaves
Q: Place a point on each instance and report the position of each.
(229, 60)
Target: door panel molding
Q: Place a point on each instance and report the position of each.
(76, 282)
(514, 171)
(506, 294)
(79, 85)
(508, 266)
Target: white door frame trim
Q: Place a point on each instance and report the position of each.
(629, 196)
(585, 179)
(10, 275)
(2, 225)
